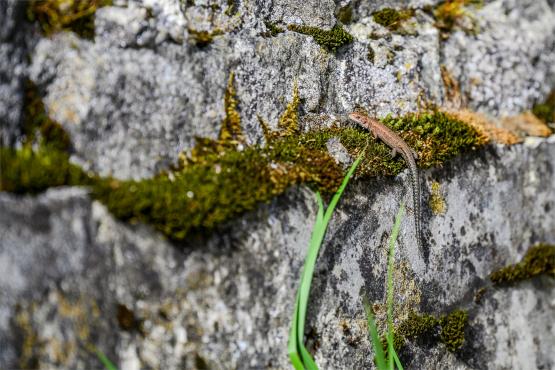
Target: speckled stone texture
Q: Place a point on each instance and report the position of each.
(139, 94)
(14, 49)
(73, 278)
(226, 300)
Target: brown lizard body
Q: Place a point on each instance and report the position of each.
(398, 145)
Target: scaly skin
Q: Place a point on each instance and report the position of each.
(397, 145)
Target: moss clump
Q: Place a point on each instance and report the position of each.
(43, 160)
(345, 14)
(32, 171)
(273, 29)
(417, 325)
(224, 177)
(448, 329)
(435, 136)
(546, 110)
(331, 40)
(203, 38)
(539, 259)
(452, 329)
(74, 15)
(231, 131)
(391, 18)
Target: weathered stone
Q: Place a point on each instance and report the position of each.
(73, 278)
(13, 67)
(227, 299)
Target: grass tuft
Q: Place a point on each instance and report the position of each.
(298, 354)
(386, 360)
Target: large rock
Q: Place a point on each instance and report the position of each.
(138, 95)
(74, 279)
(77, 277)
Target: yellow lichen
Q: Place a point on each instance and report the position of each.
(437, 204)
(487, 130)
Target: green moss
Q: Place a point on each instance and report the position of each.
(273, 29)
(448, 329)
(539, 259)
(371, 54)
(452, 329)
(391, 18)
(203, 38)
(345, 14)
(31, 171)
(74, 15)
(223, 178)
(330, 40)
(231, 131)
(546, 110)
(417, 325)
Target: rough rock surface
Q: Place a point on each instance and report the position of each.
(73, 278)
(226, 300)
(140, 93)
(14, 51)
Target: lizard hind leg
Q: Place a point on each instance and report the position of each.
(414, 154)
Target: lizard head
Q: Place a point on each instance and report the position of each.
(357, 117)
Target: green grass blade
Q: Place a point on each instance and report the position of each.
(296, 335)
(292, 347)
(377, 344)
(390, 266)
(396, 358)
(105, 360)
(339, 192)
(318, 232)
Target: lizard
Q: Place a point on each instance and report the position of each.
(397, 145)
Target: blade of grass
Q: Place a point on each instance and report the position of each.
(109, 365)
(318, 231)
(396, 358)
(296, 342)
(292, 347)
(390, 266)
(377, 344)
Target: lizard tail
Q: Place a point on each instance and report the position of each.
(417, 214)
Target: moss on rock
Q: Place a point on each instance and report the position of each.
(539, 259)
(28, 170)
(452, 329)
(448, 329)
(57, 15)
(331, 40)
(221, 178)
(272, 29)
(392, 18)
(546, 110)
